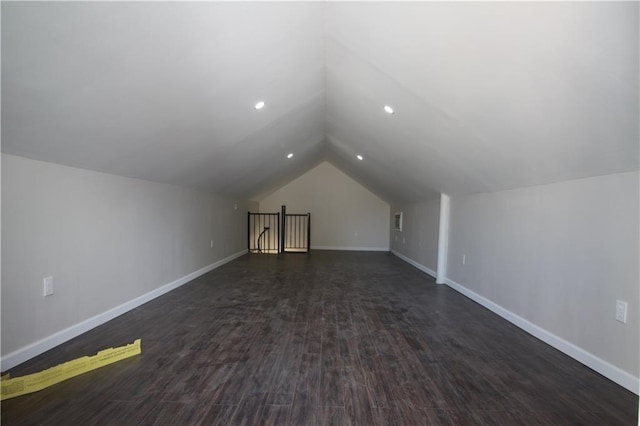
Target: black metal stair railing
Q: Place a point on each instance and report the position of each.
(268, 233)
(263, 233)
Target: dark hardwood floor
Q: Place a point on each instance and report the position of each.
(325, 339)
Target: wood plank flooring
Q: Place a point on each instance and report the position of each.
(330, 338)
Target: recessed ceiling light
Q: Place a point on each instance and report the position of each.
(289, 155)
(388, 109)
(259, 105)
(359, 157)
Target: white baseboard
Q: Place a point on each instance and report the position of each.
(24, 354)
(412, 262)
(603, 367)
(350, 248)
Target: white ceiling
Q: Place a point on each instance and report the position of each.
(488, 96)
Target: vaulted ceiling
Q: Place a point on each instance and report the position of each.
(487, 96)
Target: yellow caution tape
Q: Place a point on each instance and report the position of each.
(43, 379)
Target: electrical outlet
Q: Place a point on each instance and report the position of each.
(621, 311)
(48, 286)
(211, 243)
(235, 207)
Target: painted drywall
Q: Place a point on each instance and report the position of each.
(418, 239)
(344, 214)
(105, 240)
(559, 256)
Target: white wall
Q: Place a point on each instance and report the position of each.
(418, 239)
(105, 239)
(558, 256)
(344, 215)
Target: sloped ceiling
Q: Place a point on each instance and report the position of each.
(487, 96)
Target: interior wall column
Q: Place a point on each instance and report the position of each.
(443, 238)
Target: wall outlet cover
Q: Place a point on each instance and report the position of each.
(48, 286)
(621, 311)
